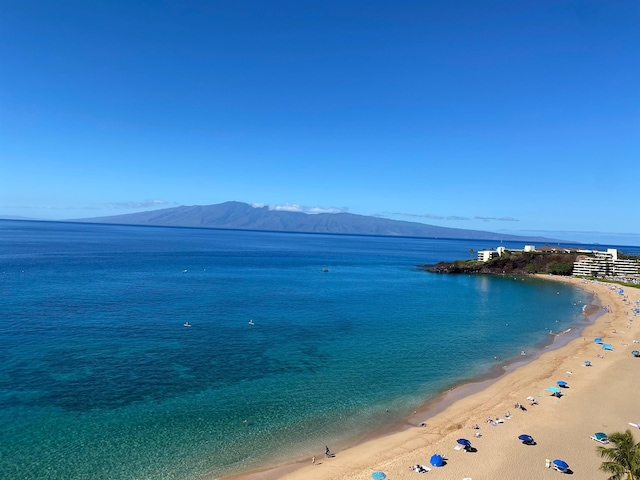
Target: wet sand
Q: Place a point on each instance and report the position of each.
(598, 398)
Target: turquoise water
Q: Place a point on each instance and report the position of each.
(99, 379)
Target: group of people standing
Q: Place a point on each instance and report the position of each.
(327, 453)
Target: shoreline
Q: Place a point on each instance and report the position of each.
(453, 412)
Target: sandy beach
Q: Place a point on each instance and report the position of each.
(599, 398)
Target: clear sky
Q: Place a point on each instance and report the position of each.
(510, 116)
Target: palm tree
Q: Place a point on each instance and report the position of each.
(623, 459)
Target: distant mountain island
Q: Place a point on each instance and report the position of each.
(242, 216)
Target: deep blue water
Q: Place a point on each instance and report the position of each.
(99, 379)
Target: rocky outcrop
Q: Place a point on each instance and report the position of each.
(510, 264)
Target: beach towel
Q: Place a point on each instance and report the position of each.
(420, 469)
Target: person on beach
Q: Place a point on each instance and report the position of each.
(327, 453)
(313, 460)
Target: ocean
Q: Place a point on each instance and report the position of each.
(296, 341)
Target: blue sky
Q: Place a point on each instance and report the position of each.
(511, 116)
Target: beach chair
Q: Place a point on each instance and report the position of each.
(560, 466)
(600, 437)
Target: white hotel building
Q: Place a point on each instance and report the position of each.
(605, 264)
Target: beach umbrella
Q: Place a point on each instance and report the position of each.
(600, 436)
(607, 346)
(378, 475)
(587, 363)
(621, 291)
(553, 389)
(635, 353)
(525, 438)
(597, 340)
(437, 460)
(561, 464)
(561, 383)
(464, 441)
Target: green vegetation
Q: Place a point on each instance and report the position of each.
(560, 268)
(623, 459)
(628, 256)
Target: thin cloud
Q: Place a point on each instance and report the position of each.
(47, 207)
(415, 215)
(294, 207)
(578, 232)
(499, 219)
(150, 203)
(429, 216)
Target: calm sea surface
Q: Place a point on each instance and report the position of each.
(99, 379)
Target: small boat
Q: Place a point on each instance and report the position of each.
(251, 322)
(186, 324)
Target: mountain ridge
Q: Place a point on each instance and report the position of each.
(242, 216)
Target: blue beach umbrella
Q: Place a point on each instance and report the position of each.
(525, 438)
(437, 460)
(553, 389)
(635, 353)
(561, 464)
(378, 475)
(597, 340)
(587, 363)
(621, 291)
(561, 383)
(464, 441)
(607, 346)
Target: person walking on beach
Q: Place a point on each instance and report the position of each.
(313, 460)
(327, 453)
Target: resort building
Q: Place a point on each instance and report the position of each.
(604, 264)
(486, 255)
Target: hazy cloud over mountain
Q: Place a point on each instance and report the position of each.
(294, 207)
(144, 204)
